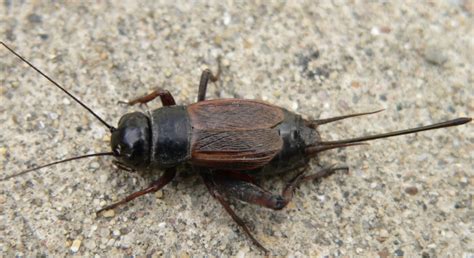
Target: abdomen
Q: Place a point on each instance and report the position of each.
(296, 136)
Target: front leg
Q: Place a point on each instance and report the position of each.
(154, 186)
(165, 96)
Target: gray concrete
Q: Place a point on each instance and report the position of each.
(410, 196)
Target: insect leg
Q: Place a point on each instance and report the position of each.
(205, 77)
(211, 186)
(323, 173)
(251, 193)
(165, 96)
(300, 178)
(122, 166)
(154, 186)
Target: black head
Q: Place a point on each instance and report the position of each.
(131, 140)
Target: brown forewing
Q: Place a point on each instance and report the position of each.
(234, 134)
(237, 114)
(240, 150)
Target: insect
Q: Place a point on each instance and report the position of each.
(229, 143)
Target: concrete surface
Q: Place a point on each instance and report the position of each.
(409, 196)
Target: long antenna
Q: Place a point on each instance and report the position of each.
(454, 122)
(111, 128)
(58, 162)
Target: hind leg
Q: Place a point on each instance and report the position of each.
(251, 193)
(221, 186)
(216, 192)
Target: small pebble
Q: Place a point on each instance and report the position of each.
(183, 254)
(93, 228)
(53, 116)
(108, 213)
(159, 194)
(104, 56)
(111, 242)
(241, 253)
(225, 62)
(106, 138)
(435, 55)
(168, 73)
(355, 84)
(157, 254)
(385, 29)
(94, 165)
(103, 178)
(126, 241)
(34, 18)
(294, 106)
(375, 31)
(226, 19)
(383, 236)
(76, 244)
(247, 44)
(90, 245)
(218, 40)
(384, 253)
(411, 190)
(399, 252)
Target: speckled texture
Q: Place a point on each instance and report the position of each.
(410, 196)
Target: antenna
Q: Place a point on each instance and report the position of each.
(57, 162)
(111, 128)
